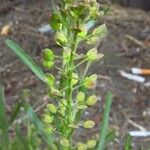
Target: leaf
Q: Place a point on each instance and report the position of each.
(128, 142)
(15, 112)
(25, 58)
(3, 121)
(39, 125)
(105, 121)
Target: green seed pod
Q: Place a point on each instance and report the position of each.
(61, 38)
(51, 108)
(49, 79)
(80, 97)
(48, 54)
(64, 142)
(81, 146)
(88, 124)
(91, 143)
(55, 92)
(74, 78)
(81, 107)
(55, 22)
(100, 31)
(49, 129)
(91, 100)
(92, 40)
(90, 82)
(47, 64)
(47, 118)
(92, 55)
(83, 31)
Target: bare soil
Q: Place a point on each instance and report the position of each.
(131, 101)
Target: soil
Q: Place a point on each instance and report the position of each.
(131, 100)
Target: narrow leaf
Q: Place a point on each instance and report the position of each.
(105, 121)
(25, 58)
(128, 142)
(39, 125)
(3, 121)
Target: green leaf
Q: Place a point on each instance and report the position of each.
(39, 125)
(3, 121)
(105, 121)
(128, 142)
(25, 58)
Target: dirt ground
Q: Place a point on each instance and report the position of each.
(131, 101)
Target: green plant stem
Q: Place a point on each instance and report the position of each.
(69, 82)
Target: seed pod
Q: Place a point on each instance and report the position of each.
(47, 64)
(55, 22)
(74, 78)
(88, 124)
(64, 142)
(81, 146)
(49, 79)
(91, 100)
(83, 31)
(61, 38)
(80, 97)
(92, 55)
(48, 54)
(91, 143)
(47, 118)
(51, 108)
(90, 82)
(55, 92)
(49, 129)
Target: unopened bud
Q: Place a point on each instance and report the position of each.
(61, 39)
(89, 124)
(91, 143)
(74, 78)
(91, 100)
(51, 108)
(64, 142)
(80, 97)
(48, 54)
(49, 79)
(90, 82)
(55, 92)
(47, 118)
(47, 64)
(83, 31)
(82, 146)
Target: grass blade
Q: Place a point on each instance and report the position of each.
(128, 142)
(3, 121)
(105, 121)
(25, 58)
(39, 125)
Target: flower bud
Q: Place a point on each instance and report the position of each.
(61, 38)
(74, 78)
(92, 40)
(49, 129)
(47, 118)
(90, 82)
(48, 54)
(92, 55)
(47, 64)
(82, 146)
(100, 31)
(80, 97)
(51, 108)
(91, 100)
(64, 142)
(91, 143)
(55, 92)
(49, 79)
(55, 22)
(88, 124)
(83, 31)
